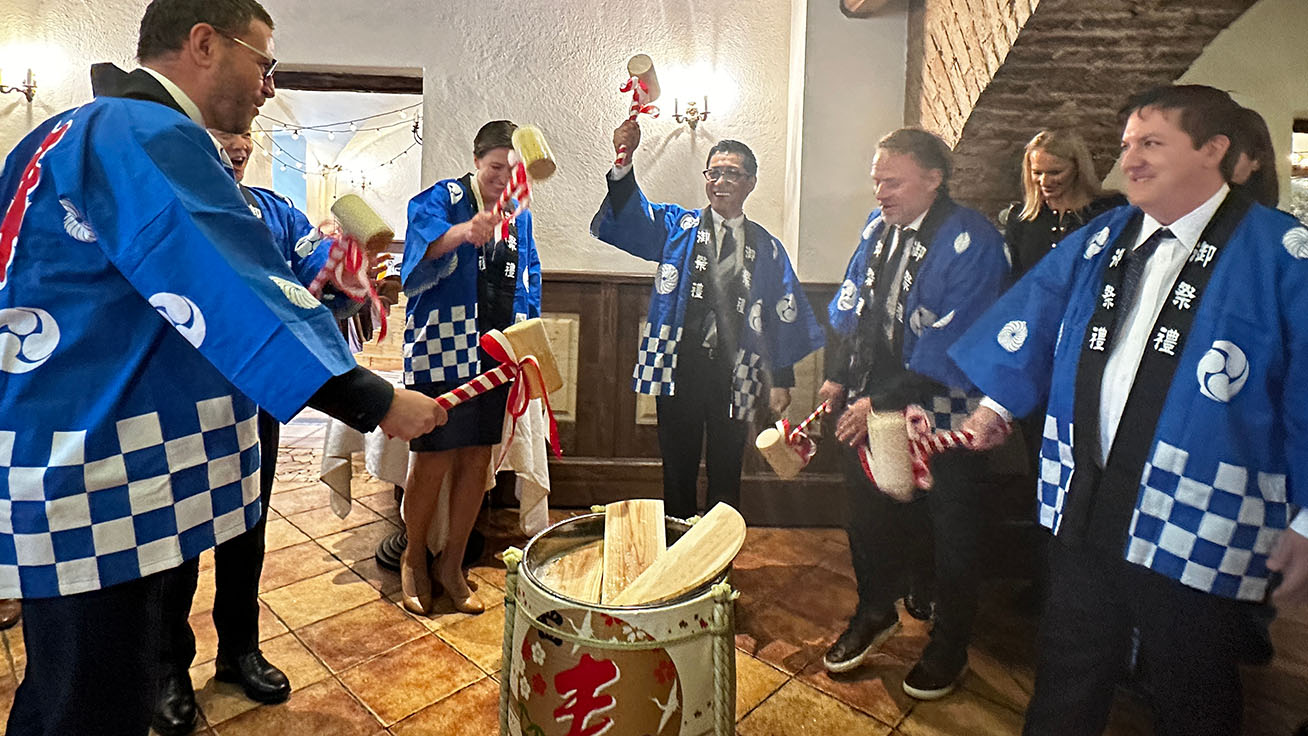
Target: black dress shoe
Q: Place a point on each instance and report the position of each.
(261, 681)
(861, 639)
(175, 713)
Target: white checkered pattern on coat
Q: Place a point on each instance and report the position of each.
(949, 411)
(81, 514)
(656, 361)
(1055, 471)
(443, 349)
(746, 383)
(1212, 533)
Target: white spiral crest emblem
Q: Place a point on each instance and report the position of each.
(756, 317)
(688, 221)
(962, 242)
(1096, 244)
(456, 192)
(28, 336)
(787, 309)
(668, 278)
(75, 223)
(1223, 371)
(1012, 336)
(848, 296)
(181, 313)
(1296, 242)
(309, 243)
(295, 293)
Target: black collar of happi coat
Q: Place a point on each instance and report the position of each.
(726, 300)
(1144, 405)
(107, 80)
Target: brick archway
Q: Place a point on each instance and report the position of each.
(993, 72)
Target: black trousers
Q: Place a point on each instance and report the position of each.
(238, 563)
(702, 401)
(1190, 642)
(929, 542)
(92, 661)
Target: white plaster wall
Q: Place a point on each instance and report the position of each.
(853, 94)
(60, 39)
(1260, 60)
(557, 64)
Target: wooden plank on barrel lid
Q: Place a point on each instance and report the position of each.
(635, 534)
(577, 573)
(699, 556)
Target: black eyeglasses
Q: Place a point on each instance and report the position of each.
(727, 173)
(271, 63)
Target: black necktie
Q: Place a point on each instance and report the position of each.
(892, 275)
(728, 245)
(1135, 263)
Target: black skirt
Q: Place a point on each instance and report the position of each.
(479, 421)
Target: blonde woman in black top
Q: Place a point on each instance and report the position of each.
(1060, 192)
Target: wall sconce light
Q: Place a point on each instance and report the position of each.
(27, 89)
(693, 113)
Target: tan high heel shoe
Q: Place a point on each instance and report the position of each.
(415, 588)
(463, 604)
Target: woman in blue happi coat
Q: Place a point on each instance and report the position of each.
(461, 280)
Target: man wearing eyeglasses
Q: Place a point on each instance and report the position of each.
(727, 316)
(145, 315)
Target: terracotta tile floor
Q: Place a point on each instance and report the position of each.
(362, 665)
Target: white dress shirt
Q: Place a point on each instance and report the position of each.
(1160, 272)
(191, 109)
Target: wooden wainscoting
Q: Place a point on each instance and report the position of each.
(609, 435)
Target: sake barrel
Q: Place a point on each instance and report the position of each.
(573, 666)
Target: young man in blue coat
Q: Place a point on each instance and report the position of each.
(1168, 339)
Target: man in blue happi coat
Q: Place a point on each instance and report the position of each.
(1168, 338)
(144, 314)
(924, 269)
(727, 315)
(238, 562)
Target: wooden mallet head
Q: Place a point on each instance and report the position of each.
(641, 67)
(529, 143)
(359, 219)
(528, 338)
(781, 455)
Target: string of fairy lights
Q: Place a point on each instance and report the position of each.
(267, 126)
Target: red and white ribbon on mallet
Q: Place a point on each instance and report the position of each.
(529, 382)
(905, 441)
(789, 449)
(519, 188)
(797, 437)
(643, 84)
(530, 158)
(356, 227)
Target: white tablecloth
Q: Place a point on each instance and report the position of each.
(388, 460)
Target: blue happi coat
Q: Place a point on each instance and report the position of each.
(144, 313)
(300, 244)
(440, 329)
(1228, 462)
(781, 326)
(963, 273)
